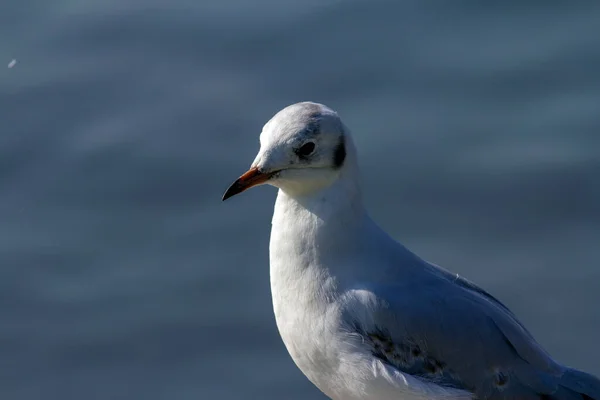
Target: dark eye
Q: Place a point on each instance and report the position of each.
(306, 149)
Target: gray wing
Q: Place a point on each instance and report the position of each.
(444, 329)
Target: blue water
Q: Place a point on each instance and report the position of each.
(123, 276)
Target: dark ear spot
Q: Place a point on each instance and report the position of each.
(339, 154)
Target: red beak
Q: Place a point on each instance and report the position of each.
(251, 178)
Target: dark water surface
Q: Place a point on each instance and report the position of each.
(123, 276)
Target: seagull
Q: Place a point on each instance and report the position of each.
(361, 315)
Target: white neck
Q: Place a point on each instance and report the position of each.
(307, 228)
(309, 233)
(313, 232)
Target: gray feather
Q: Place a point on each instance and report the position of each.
(446, 330)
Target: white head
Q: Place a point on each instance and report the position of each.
(303, 149)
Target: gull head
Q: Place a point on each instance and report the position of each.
(303, 149)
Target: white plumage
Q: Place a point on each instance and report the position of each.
(361, 315)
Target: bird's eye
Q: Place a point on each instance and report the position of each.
(306, 149)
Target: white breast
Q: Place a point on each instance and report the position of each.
(304, 294)
(309, 274)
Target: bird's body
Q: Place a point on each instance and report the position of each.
(362, 316)
(313, 298)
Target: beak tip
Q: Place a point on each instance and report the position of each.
(251, 178)
(229, 193)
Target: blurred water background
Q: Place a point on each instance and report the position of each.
(123, 276)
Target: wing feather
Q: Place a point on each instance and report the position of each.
(445, 330)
